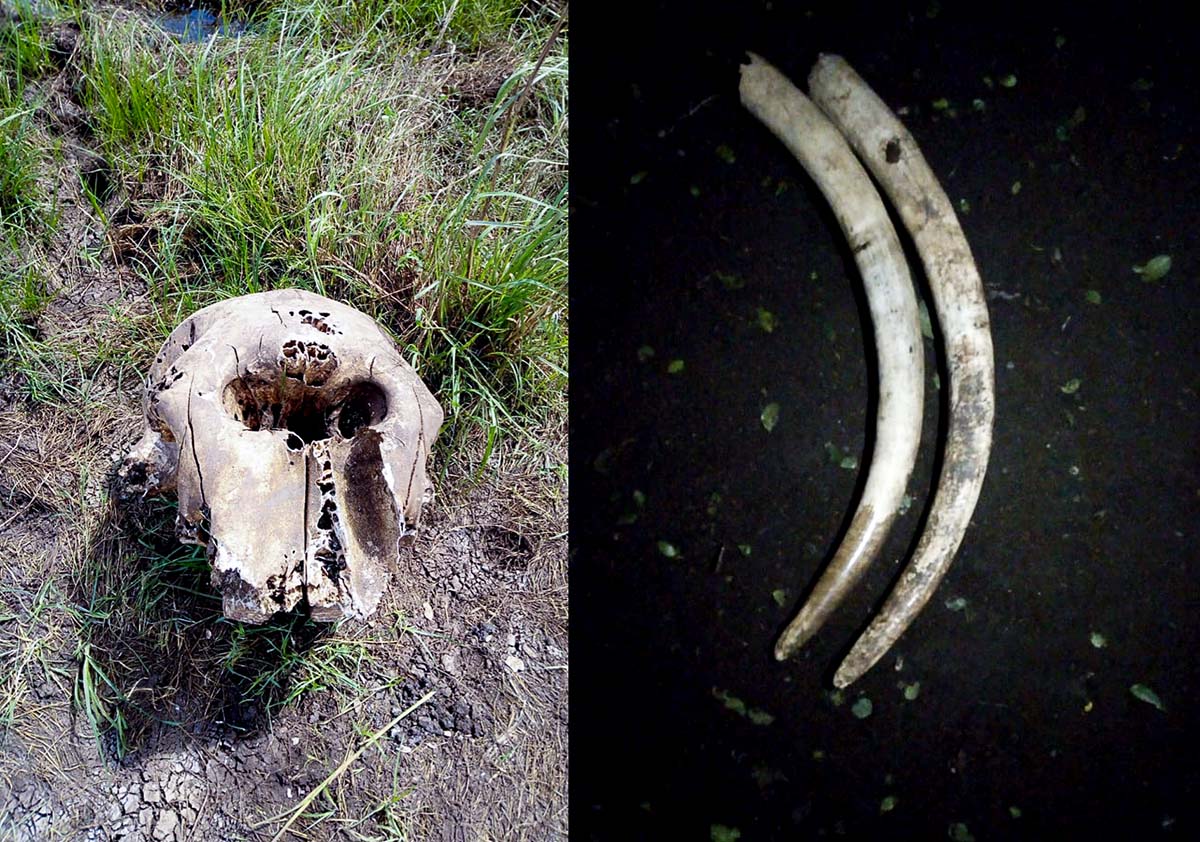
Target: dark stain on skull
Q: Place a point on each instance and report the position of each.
(369, 511)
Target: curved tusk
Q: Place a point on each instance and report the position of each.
(860, 212)
(893, 157)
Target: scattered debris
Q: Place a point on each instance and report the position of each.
(733, 703)
(923, 317)
(862, 708)
(729, 280)
(1155, 268)
(1145, 694)
(766, 320)
(770, 416)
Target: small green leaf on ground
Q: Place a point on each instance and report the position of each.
(923, 318)
(675, 366)
(782, 187)
(1008, 81)
(836, 697)
(770, 416)
(1155, 268)
(911, 691)
(780, 597)
(759, 717)
(888, 803)
(834, 452)
(1059, 41)
(714, 503)
(639, 499)
(940, 104)
(848, 463)
(959, 833)
(1141, 85)
(1016, 187)
(862, 708)
(766, 320)
(732, 703)
(978, 105)
(627, 519)
(645, 353)
(964, 207)
(726, 154)
(1099, 640)
(818, 754)
(987, 80)
(669, 550)
(937, 381)
(1071, 386)
(1015, 812)
(745, 549)
(729, 280)
(905, 504)
(1093, 297)
(721, 833)
(637, 177)
(1145, 694)
(958, 603)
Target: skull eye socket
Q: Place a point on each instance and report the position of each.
(308, 413)
(363, 406)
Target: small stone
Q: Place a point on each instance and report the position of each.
(167, 822)
(514, 663)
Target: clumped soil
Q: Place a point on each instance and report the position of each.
(217, 745)
(699, 532)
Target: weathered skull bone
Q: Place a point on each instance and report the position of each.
(296, 438)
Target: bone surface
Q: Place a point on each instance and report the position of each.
(898, 165)
(860, 213)
(296, 438)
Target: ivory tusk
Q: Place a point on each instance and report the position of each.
(862, 217)
(893, 157)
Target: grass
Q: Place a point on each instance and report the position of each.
(408, 158)
(154, 648)
(24, 55)
(285, 162)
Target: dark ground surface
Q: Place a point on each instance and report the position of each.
(1088, 518)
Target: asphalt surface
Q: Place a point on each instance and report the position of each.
(696, 532)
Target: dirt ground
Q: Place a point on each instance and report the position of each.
(222, 745)
(1006, 711)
